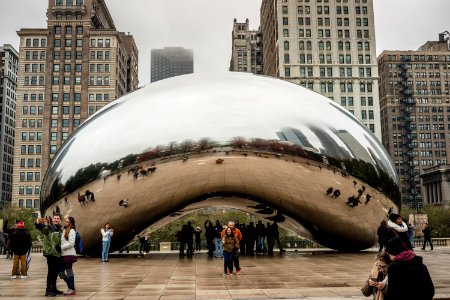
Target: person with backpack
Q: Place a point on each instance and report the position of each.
(51, 250)
(69, 255)
(20, 243)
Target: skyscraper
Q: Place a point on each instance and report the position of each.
(67, 71)
(326, 46)
(9, 60)
(246, 53)
(415, 112)
(170, 62)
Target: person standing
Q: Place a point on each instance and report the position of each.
(209, 235)
(142, 242)
(20, 243)
(381, 232)
(230, 247)
(217, 240)
(107, 232)
(276, 234)
(197, 233)
(238, 235)
(411, 233)
(2, 242)
(260, 236)
(69, 255)
(427, 236)
(51, 250)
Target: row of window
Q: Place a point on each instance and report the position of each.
(65, 123)
(413, 58)
(100, 55)
(29, 203)
(67, 67)
(34, 80)
(306, 9)
(32, 123)
(31, 136)
(34, 55)
(28, 190)
(68, 43)
(327, 59)
(69, 2)
(99, 43)
(32, 110)
(99, 68)
(36, 42)
(327, 22)
(30, 162)
(31, 149)
(30, 176)
(67, 55)
(99, 80)
(68, 30)
(34, 68)
(66, 97)
(99, 97)
(66, 110)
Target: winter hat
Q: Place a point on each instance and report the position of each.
(20, 225)
(393, 217)
(395, 246)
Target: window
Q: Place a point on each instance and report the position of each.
(286, 45)
(79, 30)
(287, 72)
(100, 43)
(285, 32)
(52, 149)
(53, 136)
(68, 43)
(77, 110)
(68, 29)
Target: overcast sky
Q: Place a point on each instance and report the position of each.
(205, 25)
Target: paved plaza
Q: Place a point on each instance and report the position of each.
(321, 274)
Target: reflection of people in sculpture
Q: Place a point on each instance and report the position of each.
(329, 191)
(123, 203)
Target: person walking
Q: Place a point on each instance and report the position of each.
(427, 236)
(51, 229)
(107, 232)
(230, 248)
(20, 243)
(198, 239)
(218, 240)
(69, 255)
(276, 234)
(238, 235)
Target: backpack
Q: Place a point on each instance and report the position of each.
(78, 243)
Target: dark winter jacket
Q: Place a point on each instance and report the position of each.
(410, 280)
(20, 241)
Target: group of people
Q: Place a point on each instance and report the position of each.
(398, 273)
(249, 236)
(5, 248)
(59, 249)
(353, 200)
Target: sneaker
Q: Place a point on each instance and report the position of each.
(49, 293)
(70, 293)
(23, 276)
(13, 277)
(238, 272)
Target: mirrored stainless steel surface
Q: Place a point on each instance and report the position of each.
(192, 137)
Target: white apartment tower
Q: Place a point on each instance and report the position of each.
(327, 46)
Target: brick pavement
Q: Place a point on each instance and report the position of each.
(317, 275)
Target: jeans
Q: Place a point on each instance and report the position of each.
(227, 262)
(259, 244)
(105, 250)
(219, 247)
(23, 265)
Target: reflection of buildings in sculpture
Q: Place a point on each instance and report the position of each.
(436, 187)
(355, 147)
(296, 137)
(329, 145)
(170, 62)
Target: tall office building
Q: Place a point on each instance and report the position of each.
(67, 71)
(326, 46)
(9, 60)
(246, 52)
(415, 112)
(170, 62)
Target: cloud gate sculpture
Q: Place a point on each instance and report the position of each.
(255, 143)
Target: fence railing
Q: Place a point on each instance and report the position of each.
(287, 244)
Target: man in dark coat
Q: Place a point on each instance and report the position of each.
(20, 243)
(427, 236)
(408, 276)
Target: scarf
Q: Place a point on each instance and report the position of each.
(396, 227)
(405, 255)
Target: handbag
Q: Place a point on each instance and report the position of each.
(69, 258)
(366, 289)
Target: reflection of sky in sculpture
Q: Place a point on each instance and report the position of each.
(217, 106)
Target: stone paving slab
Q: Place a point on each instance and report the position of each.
(318, 275)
